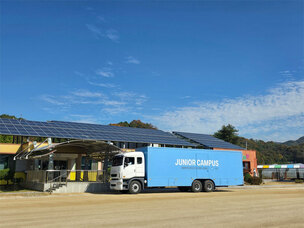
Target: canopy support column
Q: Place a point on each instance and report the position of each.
(78, 167)
(50, 175)
(106, 165)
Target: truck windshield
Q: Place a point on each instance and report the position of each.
(117, 160)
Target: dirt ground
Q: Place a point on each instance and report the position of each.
(243, 207)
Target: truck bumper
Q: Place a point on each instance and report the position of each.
(117, 185)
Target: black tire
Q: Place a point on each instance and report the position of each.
(209, 186)
(183, 189)
(197, 186)
(135, 187)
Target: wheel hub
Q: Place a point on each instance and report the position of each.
(135, 187)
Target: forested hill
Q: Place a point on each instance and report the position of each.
(274, 153)
(295, 142)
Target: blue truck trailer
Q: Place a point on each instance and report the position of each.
(187, 169)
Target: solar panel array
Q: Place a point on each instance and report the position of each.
(208, 140)
(72, 130)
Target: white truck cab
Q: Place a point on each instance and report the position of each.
(128, 172)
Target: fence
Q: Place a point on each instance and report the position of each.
(282, 174)
(47, 176)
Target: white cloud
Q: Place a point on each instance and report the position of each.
(85, 93)
(51, 99)
(286, 73)
(99, 32)
(185, 97)
(105, 72)
(105, 85)
(112, 34)
(101, 19)
(279, 130)
(113, 103)
(116, 110)
(255, 116)
(125, 95)
(78, 73)
(95, 30)
(135, 98)
(131, 59)
(82, 118)
(82, 99)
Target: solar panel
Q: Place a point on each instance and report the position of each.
(72, 130)
(97, 127)
(208, 140)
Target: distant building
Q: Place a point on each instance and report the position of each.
(282, 172)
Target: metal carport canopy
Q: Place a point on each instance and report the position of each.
(100, 149)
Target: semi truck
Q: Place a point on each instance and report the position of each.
(187, 169)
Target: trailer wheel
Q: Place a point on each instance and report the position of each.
(208, 186)
(196, 186)
(134, 187)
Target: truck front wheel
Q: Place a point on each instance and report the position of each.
(197, 186)
(134, 187)
(208, 186)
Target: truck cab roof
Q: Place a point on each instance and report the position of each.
(133, 153)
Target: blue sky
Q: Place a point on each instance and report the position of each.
(184, 66)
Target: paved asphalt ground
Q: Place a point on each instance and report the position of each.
(263, 206)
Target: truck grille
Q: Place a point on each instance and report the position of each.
(113, 175)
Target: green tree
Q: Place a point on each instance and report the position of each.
(227, 133)
(121, 124)
(135, 123)
(140, 124)
(10, 117)
(6, 174)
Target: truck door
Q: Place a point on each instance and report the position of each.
(129, 168)
(140, 167)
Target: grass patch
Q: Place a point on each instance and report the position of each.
(298, 181)
(13, 188)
